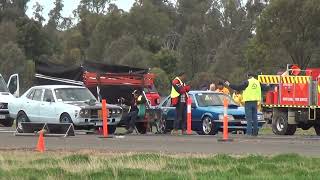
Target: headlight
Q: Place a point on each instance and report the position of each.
(84, 113)
(230, 117)
(119, 111)
(260, 117)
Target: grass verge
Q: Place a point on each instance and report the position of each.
(95, 165)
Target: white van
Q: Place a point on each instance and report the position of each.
(8, 92)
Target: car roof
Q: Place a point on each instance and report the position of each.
(57, 86)
(196, 92)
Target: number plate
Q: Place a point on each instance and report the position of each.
(243, 122)
(99, 123)
(2, 116)
(99, 114)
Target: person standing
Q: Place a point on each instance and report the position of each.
(252, 92)
(179, 95)
(222, 89)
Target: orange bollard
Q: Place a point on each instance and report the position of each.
(41, 144)
(104, 118)
(225, 121)
(189, 102)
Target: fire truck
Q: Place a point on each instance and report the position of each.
(294, 100)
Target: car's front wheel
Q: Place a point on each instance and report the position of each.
(21, 117)
(65, 118)
(208, 127)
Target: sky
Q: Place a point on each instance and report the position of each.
(69, 6)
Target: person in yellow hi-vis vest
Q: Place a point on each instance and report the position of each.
(252, 92)
(179, 96)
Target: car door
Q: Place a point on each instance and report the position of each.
(48, 107)
(32, 104)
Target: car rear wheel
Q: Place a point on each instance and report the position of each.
(208, 127)
(21, 117)
(65, 118)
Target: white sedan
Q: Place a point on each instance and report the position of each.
(62, 104)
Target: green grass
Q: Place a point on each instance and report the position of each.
(97, 165)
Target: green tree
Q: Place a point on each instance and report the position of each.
(292, 26)
(137, 57)
(166, 60)
(12, 59)
(38, 13)
(162, 82)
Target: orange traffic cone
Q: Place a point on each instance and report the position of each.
(41, 145)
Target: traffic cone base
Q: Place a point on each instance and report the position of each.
(41, 143)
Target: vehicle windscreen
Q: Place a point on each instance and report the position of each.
(213, 99)
(73, 94)
(3, 86)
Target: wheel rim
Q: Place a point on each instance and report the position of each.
(280, 124)
(206, 125)
(161, 125)
(21, 118)
(65, 119)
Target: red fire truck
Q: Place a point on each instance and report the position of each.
(294, 101)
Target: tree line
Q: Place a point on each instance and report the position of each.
(209, 39)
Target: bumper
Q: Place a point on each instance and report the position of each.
(237, 124)
(4, 115)
(113, 121)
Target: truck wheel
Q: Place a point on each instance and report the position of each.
(317, 128)
(280, 124)
(141, 127)
(7, 122)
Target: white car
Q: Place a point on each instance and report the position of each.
(62, 104)
(5, 99)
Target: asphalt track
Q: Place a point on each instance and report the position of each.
(241, 145)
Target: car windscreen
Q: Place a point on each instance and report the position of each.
(73, 94)
(3, 86)
(212, 99)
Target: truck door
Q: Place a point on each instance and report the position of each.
(14, 85)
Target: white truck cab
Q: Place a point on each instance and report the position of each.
(8, 92)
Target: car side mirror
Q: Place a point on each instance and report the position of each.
(193, 105)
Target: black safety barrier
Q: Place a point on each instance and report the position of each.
(50, 129)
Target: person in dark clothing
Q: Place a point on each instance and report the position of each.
(131, 117)
(179, 95)
(252, 93)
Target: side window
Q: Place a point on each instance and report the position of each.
(30, 94)
(37, 95)
(48, 96)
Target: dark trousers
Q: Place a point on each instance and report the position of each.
(251, 117)
(131, 118)
(181, 116)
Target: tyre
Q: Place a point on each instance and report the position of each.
(208, 127)
(317, 128)
(7, 122)
(112, 129)
(280, 124)
(65, 118)
(161, 126)
(305, 126)
(142, 128)
(21, 117)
